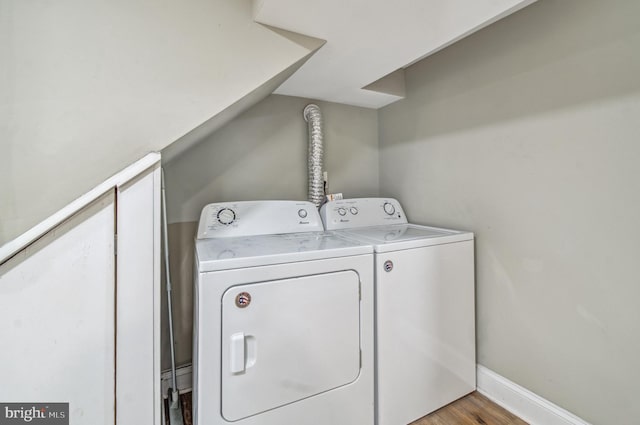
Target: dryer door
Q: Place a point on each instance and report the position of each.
(286, 340)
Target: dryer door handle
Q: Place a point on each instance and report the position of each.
(237, 353)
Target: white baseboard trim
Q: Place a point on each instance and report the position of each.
(521, 402)
(184, 379)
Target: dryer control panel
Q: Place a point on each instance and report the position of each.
(251, 218)
(361, 212)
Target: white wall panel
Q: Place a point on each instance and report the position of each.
(57, 317)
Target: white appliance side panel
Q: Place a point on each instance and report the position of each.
(426, 330)
(57, 314)
(296, 338)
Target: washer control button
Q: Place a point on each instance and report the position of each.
(389, 208)
(226, 216)
(302, 213)
(353, 210)
(342, 211)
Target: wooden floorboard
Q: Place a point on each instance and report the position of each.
(185, 399)
(474, 409)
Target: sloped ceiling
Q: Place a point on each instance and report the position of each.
(370, 39)
(88, 88)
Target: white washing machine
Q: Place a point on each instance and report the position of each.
(425, 307)
(283, 319)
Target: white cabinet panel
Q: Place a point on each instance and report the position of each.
(57, 317)
(138, 300)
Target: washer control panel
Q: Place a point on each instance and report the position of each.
(250, 218)
(361, 212)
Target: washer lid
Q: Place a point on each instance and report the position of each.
(252, 251)
(405, 236)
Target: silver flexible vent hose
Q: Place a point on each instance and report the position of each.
(316, 183)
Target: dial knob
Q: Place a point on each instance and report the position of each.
(353, 210)
(342, 211)
(226, 216)
(302, 213)
(389, 208)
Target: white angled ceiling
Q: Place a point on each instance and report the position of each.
(366, 40)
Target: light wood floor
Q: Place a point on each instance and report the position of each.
(474, 409)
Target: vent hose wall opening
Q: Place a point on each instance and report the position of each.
(316, 182)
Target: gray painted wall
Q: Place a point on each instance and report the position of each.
(528, 134)
(262, 154)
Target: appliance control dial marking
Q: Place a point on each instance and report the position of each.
(302, 213)
(353, 210)
(342, 211)
(226, 216)
(389, 208)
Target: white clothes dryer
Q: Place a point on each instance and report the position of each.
(425, 307)
(283, 319)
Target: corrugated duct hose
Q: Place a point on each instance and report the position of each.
(316, 182)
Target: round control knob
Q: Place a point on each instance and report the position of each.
(302, 213)
(342, 211)
(389, 208)
(353, 210)
(226, 216)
